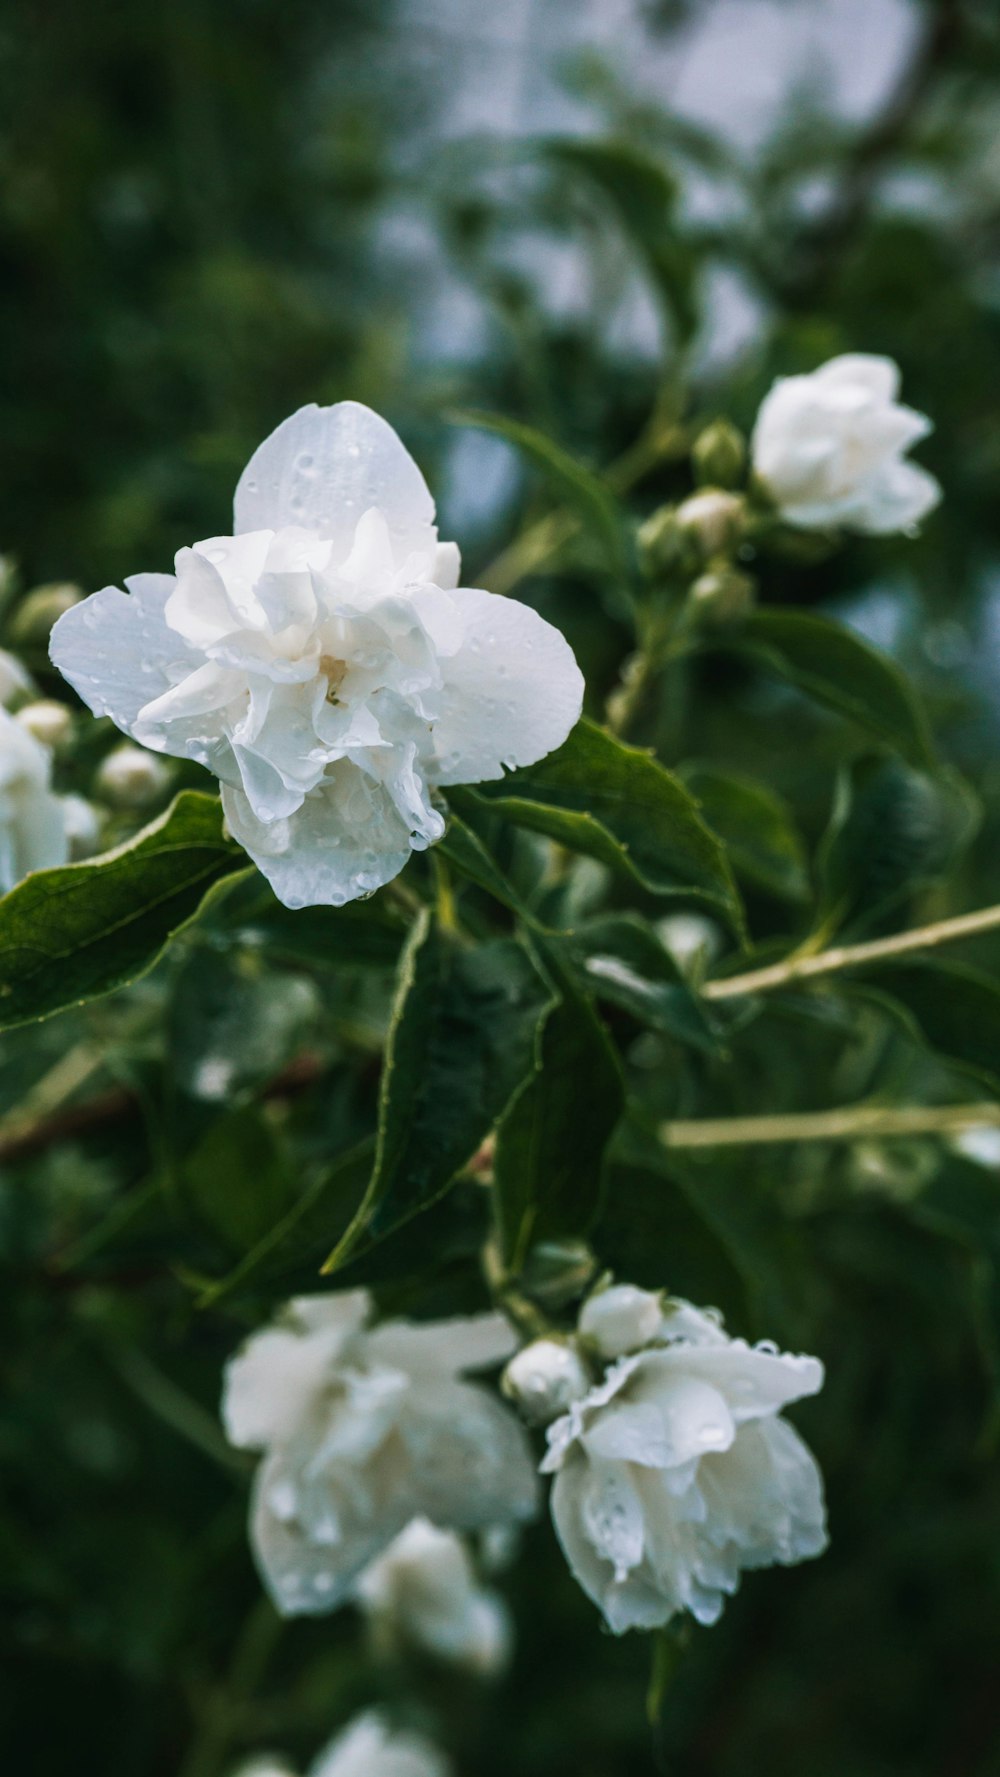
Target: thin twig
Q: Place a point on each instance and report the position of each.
(853, 956)
(848, 1123)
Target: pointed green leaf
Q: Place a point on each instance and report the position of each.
(593, 502)
(624, 963)
(764, 844)
(549, 1164)
(461, 1042)
(644, 196)
(954, 1009)
(893, 831)
(617, 804)
(70, 934)
(839, 670)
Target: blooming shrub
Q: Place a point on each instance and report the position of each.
(498, 1149)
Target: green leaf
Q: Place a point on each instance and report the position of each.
(466, 852)
(616, 804)
(954, 1009)
(549, 1163)
(893, 830)
(644, 196)
(70, 934)
(764, 844)
(593, 502)
(362, 934)
(623, 962)
(832, 665)
(460, 1043)
(300, 1237)
(237, 1179)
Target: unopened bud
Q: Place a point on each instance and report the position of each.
(621, 1319)
(35, 615)
(130, 777)
(713, 519)
(557, 1270)
(545, 1378)
(724, 595)
(692, 940)
(48, 721)
(662, 543)
(719, 455)
(15, 680)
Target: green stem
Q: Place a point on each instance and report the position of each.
(852, 956)
(848, 1123)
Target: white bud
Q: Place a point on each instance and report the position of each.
(131, 777)
(545, 1378)
(621, 1319)
(49, 722)
(714, 518)
(980, 1143)
(15, 680)
(692, 940)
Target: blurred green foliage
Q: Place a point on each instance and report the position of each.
(193, 216)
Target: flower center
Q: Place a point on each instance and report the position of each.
(334, 670)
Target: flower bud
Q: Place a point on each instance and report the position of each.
(719, 455)
(713, 519)
(545, 1378)
(724, 595)
(49, 722)
(662, 543)
(557, 1270)
(621, 1319)
(130, 777)
(692, 940)
(15, 680)
(36, 614)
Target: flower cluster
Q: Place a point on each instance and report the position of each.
(673, 1468)
(324, 662)
(363, 1429)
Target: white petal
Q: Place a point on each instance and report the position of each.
(323, 468)
(753, 1382)
(346, 840)
(443, 1347)
(864, 370)
(117, 650)
(896, 499)
(511, 693)
(311, 1540)
(468, 1459)
(446, 570)
(368, 1749)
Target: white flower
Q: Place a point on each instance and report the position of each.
(368, 1748)
(363, 1431)
(32, 829)
(676, 1472)
(545, 1378)
(828, 448)
(423, 1590)
(324, 663)
(130, 778)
